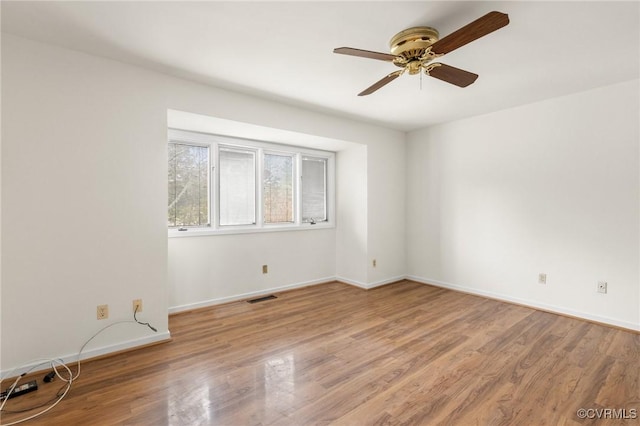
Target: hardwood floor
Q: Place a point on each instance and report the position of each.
(405, 353)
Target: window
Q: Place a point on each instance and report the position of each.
(219, 184)
(314, 189)
(237, 186)
(277, 181)
(188, 185)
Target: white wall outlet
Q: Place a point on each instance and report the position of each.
(375, 263)
(602, 287)
(542, 278)
(102, 312)
(137, 305)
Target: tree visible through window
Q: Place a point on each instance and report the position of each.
(278, 188)
(188, 185)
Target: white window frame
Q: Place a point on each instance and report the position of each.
(210, 213)
(215, 187)
(300, 201)
(260, 148)
(295, 183)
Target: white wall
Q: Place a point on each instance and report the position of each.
(386, 200)
(0, 204)
(551, 187)
(84, 195)
(371, 226)
(352, 216)
(213, 269)
(82, 221)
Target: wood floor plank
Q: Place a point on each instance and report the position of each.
(405, 353)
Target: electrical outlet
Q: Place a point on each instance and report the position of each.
(103, 312)
(265, 269)
(602, 287)
(137, 303)
(375, 263)
(542, 278)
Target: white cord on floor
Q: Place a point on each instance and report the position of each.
(68, 380)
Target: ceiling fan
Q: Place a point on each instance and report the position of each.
(415, 48)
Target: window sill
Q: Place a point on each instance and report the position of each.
(203, 232)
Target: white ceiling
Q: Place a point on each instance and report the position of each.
(284, 50)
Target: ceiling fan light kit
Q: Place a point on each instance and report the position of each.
(415, 48)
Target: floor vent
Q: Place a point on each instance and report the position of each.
(262, 299)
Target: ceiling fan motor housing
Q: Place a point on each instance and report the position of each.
(411, 44)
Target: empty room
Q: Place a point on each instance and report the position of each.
(320, 212)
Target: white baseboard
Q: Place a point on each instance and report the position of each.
(227, 299)
(72, 359)
(352, 282)
(530, 303)
(387, 281)
(258, 293)
(370, 285)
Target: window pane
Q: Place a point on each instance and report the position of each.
(237, 187)
(188, 185)
(278, 188)
(314, 189)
